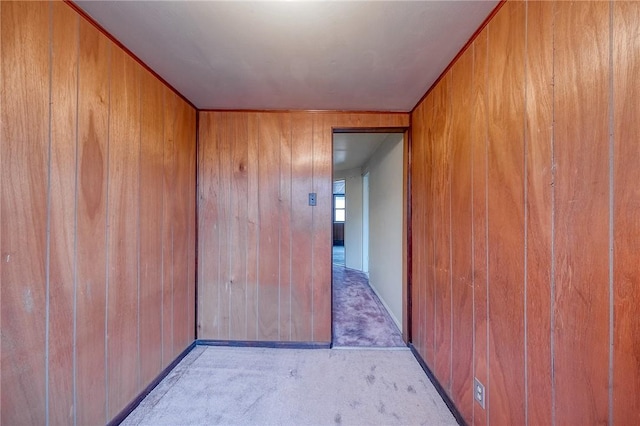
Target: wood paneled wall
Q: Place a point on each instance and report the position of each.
(264, 255)
(525, 217)
(98, 220)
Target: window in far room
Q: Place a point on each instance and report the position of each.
(339, 201)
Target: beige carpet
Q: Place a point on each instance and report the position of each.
(260, 386)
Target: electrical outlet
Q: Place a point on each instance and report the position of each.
(478, 392)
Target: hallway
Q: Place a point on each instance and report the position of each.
(359, 317)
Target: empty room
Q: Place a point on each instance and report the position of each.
(168, 212)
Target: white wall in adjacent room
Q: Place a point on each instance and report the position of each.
(385, 223)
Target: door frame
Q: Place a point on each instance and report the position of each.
(406, 221)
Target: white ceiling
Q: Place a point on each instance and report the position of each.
(322, 55)
(352, 150)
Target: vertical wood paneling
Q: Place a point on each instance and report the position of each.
(268, 240)
(479, 123)
(25, 161)
(284, 200)
(238, 229)
(208, 230)
(442, 230)
(64, 99)
(418, 265)
(77, 182)
(225, 135)
(192, 139)
(559, 112)
(181, 208)
(122, 231)
(461, 243)
(151, 174)
(538, 152)
(406, 227)
(506, 396)
(428, 230)
(626, 175)
(581, 215)
(415, 134)
(581, 148)
(265, 254)
(322, 220)
(93, 133)
(301, 223)
(168, 201)
(253, 230)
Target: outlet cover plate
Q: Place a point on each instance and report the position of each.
(478, 392)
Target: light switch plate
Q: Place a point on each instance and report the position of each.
(312, 198)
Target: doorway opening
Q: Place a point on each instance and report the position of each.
(369, 256)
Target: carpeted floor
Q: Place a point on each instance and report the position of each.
(260, 386)
(359, 318)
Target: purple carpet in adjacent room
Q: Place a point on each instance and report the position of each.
(359, 318)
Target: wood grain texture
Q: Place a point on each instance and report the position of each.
(351, 120)
(422, 227)
(626, 213)
(268, 216)
(322, 220)
(394, 120)
(150, 195)
(506, 44)
(556, 147)
(25, 160)
(122, 232)
(184, 231)
(366, 120)
(181, 211)
(479, 125)
(301, 223)
(406, 230)
(418, 265)
(64, 67)
(238, 226)
(539, 154)
(253, 178)
(168, 201)
(73, 166)
(225, 137)
(256, 228)
(461, 236)
(415, 134)
(441, 181)
(93, 128)
(285, 248)
(208, 231)
(581, 150)
(192, 223)
(428, 230)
